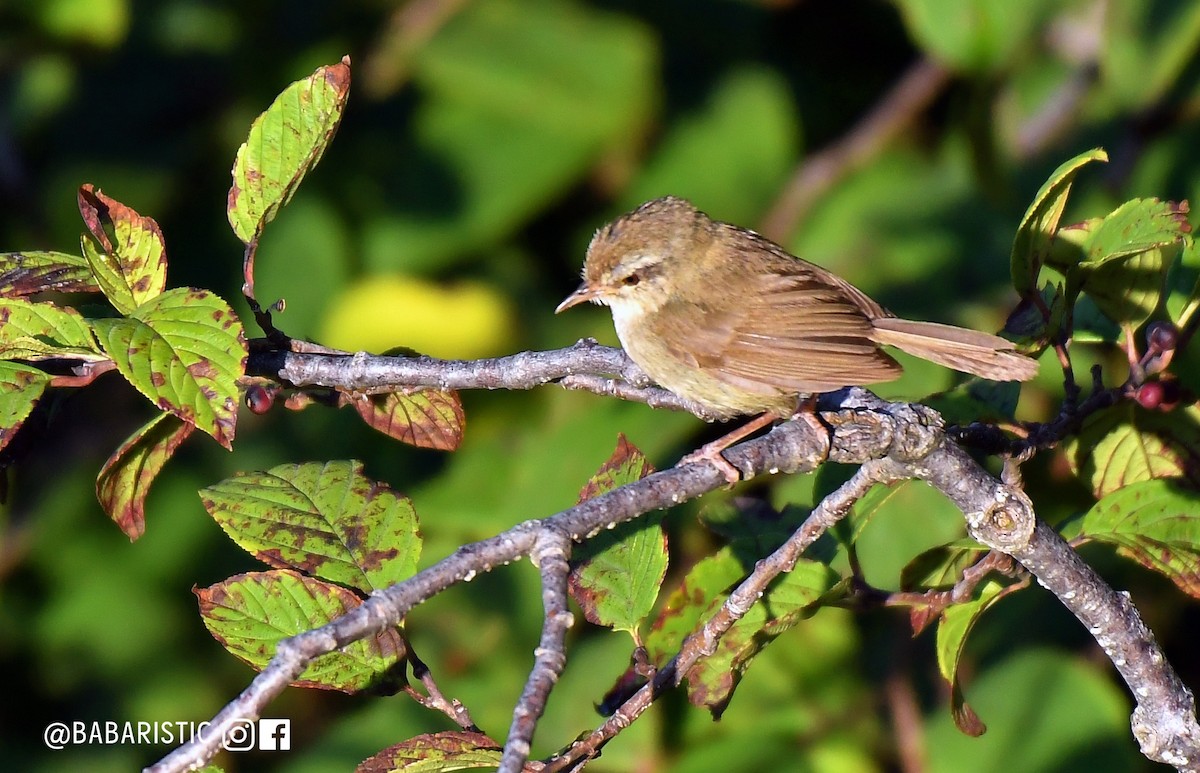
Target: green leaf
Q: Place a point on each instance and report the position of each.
(325, 520)
(616, 575)
(250, 613)
(126, 253)
(956, 622)
(788, 600)
(425, 418)
(702, 590)
(1157, 524)
(1126, 255)
(1126, 444)
(35, 331)
(124, 482)
(1183, 284)
(1040, 223)
(1127, 289)
(974, 35)
(435, 753)
(285, 142)
(20, 389)
(185, 351)
(26, 273)
(1136, 226)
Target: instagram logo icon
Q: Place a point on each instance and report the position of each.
(239, 736)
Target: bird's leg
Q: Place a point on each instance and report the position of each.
(711, 452)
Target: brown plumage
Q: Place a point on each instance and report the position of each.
(731, 320)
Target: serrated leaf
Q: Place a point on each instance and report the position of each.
(1126, 444)
(20, 389)
(285, 142)
(33, 331)
(703, 589)
(1157, 524)
(615, 576)
(124, 482)
(1040, 223)
(35, 271)
(1136, 226)
(128, 257)
(789, 599)
(184, 350)
(425, 418)
(956, 622)
(250, 613)
(325, 520)
(435, 753)
(1126, 255)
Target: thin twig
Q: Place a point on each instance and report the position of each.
(551, 553)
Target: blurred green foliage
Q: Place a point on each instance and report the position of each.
(483, 142)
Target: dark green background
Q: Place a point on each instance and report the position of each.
(489, 150)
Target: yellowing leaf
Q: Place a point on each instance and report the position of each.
(128, 256)
(285, 142)
(326, 520)
(26, 273)
(250, 613)
(124, 482)
(20, 388)
(426, 418)
(184, 350)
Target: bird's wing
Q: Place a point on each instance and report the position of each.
(800, 332)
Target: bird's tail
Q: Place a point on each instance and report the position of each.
(970, 351)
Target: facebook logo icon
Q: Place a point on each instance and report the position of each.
(274, 735)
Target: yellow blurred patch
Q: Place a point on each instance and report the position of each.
(464, 320)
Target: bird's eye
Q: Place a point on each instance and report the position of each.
(631, 280)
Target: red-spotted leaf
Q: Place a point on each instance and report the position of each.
(616, 575)
(26, 273)
(35, 331)
(1126, 444)
(250, 613)
(1157, 524)
(435, 753)
(185, 351)
(700, 593)
(20, 388)
(124, 483)
(788, 600)
(956, 622)
(285, 142)
(126, 253)
(325, 520)
(1040, 223)
(426, 418)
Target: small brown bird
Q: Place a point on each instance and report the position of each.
(726, 318)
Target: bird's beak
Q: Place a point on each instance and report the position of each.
(585, 293)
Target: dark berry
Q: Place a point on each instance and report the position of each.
(1162, 336)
